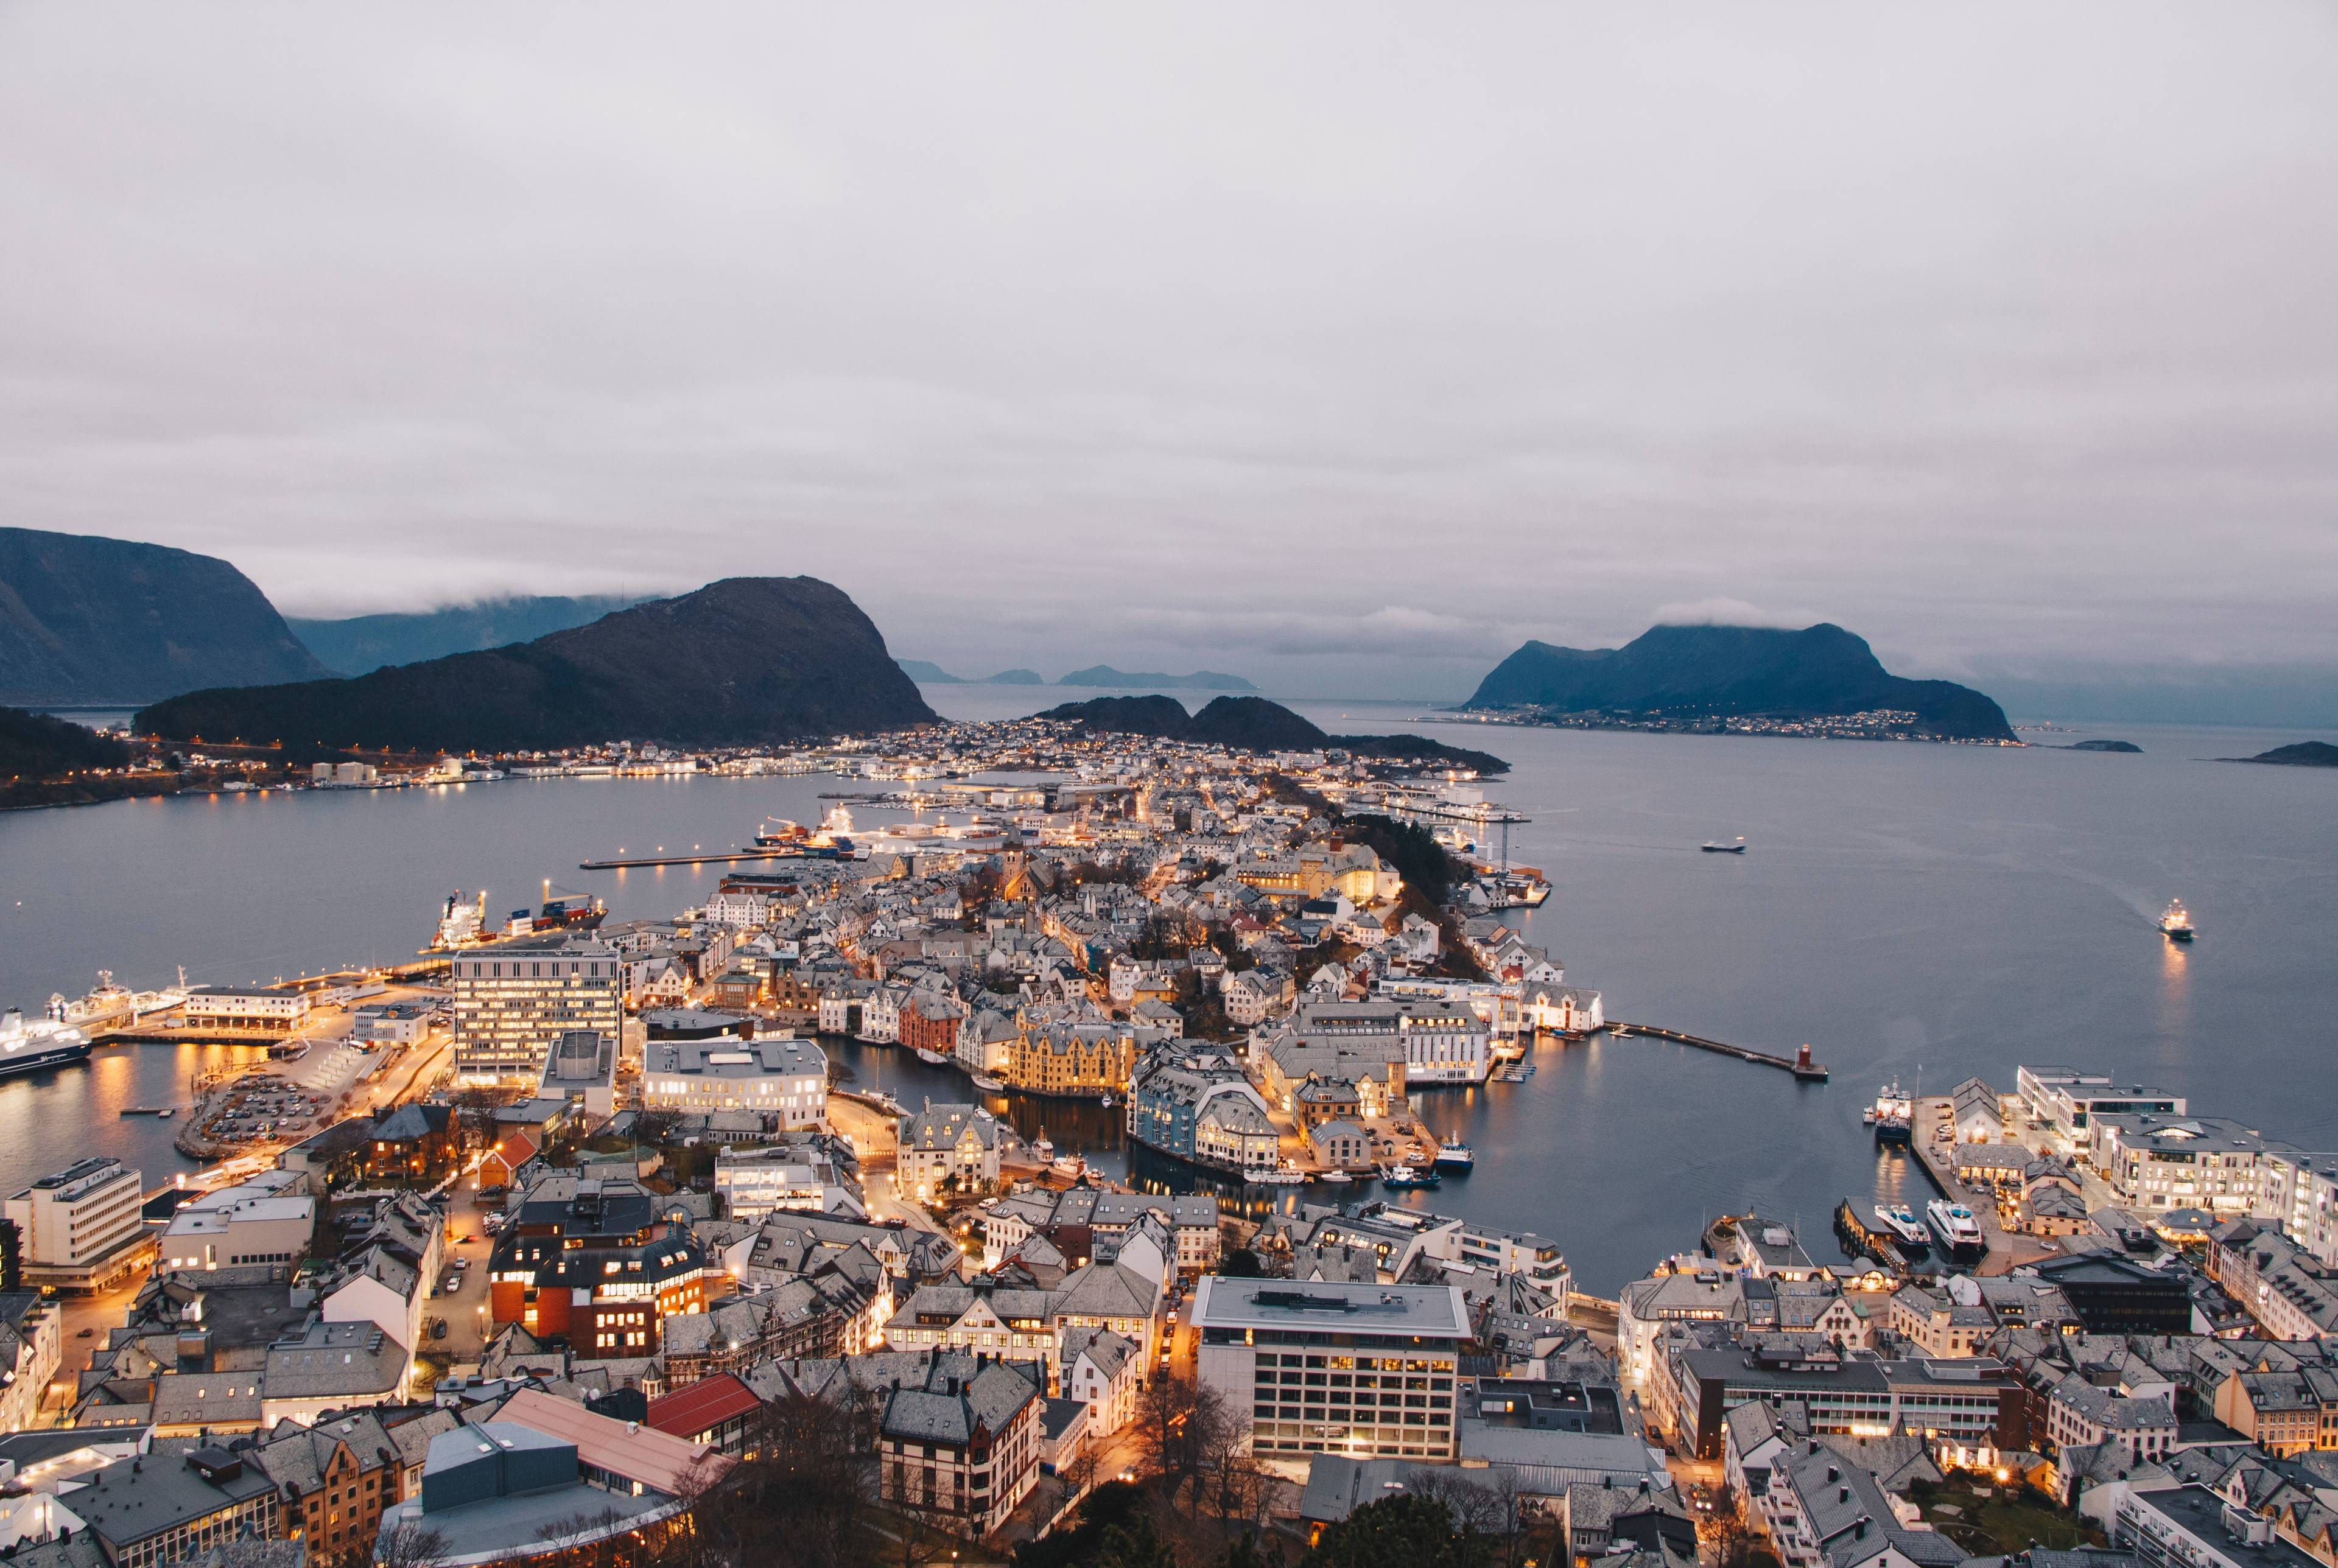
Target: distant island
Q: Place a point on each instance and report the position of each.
(368, 642)
(1255, 724)
(928, 673)
(2102, 745)
(748, 660)
(90, 620)
(1199, 681)
(2304, 754)
(1820, 680)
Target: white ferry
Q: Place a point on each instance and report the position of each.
(1961, 1240)
(1456, 1156)
(43, 1042)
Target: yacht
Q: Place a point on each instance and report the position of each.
(1335, 1176)
(2176, 924)
(43, 1042)
(932, 1058)
(1901, 1221)
(1454, 1156)
(1961, 1240)
(1107, 1102)
(1282, 1175)
(987, 1084)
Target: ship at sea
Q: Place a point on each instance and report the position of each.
(1893, 1114)
(2176, 924)
(43, 1042)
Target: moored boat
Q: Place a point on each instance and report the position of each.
(932, 1058)
(1901, 1221)
(1455, 1155)
(1893, 1114)
(1959, 1233)
(988, 1084)
(43, 1042)
(1335, 1176)
(1402, 1176)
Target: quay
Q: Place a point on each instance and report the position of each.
(1800, 1064)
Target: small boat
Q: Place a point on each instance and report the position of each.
(1043, 1149)
(932, 1058)
(2176, 925)
(1275, 1175)
(1335, 1176)
(1406, 1176)
(1454, 1156)
(1108, 1102)
(1069, 1166)
(988, 1084)
(1710, 847)
(1901, 1221)
(1961, 1240)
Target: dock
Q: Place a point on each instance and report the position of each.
(1800, 1064)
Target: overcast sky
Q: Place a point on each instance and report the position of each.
(1341, 346)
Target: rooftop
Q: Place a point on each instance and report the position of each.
(1324, 1308)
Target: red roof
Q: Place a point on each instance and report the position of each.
(703, 1406)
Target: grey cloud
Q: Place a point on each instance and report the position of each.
(1359, 342)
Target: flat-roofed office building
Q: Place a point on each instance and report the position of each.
(82, 1225)
(1363, 1370)
(513, 1000)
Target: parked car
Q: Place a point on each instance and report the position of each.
(439, 1328)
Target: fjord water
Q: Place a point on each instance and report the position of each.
(1951, 909)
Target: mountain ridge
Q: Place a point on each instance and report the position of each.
(1199, 681)
(1694, 673)
(746, 661)
(89, 620)
(359, 644)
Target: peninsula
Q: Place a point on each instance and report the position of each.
(1255, 724)
(1819, 680)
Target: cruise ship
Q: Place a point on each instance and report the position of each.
(44, 1042)
(1961, 1240)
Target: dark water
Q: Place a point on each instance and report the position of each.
(1954, 909)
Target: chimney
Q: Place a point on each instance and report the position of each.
(1833, 1474)
(1843, 1494)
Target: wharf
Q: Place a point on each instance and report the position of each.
(1804, 1070)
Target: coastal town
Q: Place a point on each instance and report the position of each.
(574, 1240)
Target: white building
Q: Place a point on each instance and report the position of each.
(2300, 1196)
(82, 1224)
(784, 1079)
(389, 1024)
(248, 1006)
(239, 1227)
(755, 1181)
(1382, 1360)
(513, 1000)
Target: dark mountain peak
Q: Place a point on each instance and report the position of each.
(747, 660)
(89, 619)
(1164, 717)
(1696, 670)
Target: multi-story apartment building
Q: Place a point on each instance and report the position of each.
(2063, 1101)
(962, 1448)
(785, 1080)
(2292, 1294)
(81, 1227)
(2300, 1196)
(1972, 1400)
(1076, 1058)
(162, 1508)
(514, 999)
(2160, 1161)
(595, 1263)
(1363, 1370)
(946, 1140)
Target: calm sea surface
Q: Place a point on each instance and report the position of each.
(1947, 911)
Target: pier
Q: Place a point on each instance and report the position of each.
(1800, 1064)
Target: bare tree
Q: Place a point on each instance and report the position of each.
(413, 1546)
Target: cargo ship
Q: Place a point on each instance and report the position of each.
(571, 912)
(44, 1042)
(1893, 1114)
